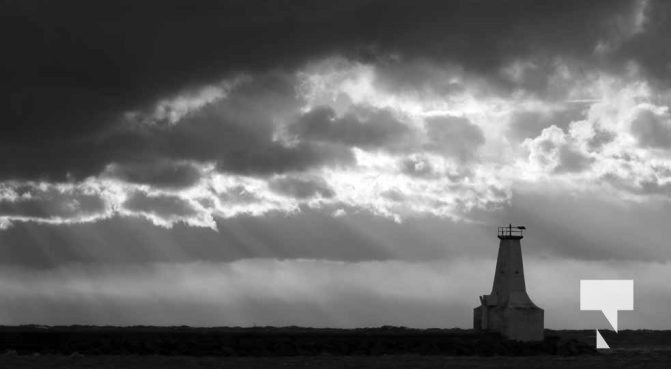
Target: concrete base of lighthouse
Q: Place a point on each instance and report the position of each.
(520, 323)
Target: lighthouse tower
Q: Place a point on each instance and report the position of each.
(508, 309)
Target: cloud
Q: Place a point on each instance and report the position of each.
(618, 147)
(68, 82)
(279, 158)
(161, 174)
(362, 127)
(169, 111)
(571, 160)
(301, 188)
(562, 224)
(454, 136)
(241, 133)
(162, 205)
(417, 165)
(237, 129)
(51, 203)
(272, 140)
(652, 127)
(650, 27)
(397, 120)
(165, 210)
(530, 123)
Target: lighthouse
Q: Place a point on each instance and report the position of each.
(508, 308)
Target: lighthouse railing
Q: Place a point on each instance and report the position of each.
(509, 232)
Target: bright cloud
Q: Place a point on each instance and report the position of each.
(411, 149)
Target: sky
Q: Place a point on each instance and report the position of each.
(330, 163)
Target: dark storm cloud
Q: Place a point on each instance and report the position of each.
(279, 158)
(455, 136)
(238, 133)
(160, 174)
(423, 75)
(363, 128)
(479, 41)
(164, 206)
(301, 188)
(651, 49)
(70, 69)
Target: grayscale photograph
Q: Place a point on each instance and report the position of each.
(335, 184)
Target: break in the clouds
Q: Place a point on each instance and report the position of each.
(248, 118)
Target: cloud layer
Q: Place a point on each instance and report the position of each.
(332, 135)
(424, 107)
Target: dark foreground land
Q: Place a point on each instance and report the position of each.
(615, 361)
(386, 347)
